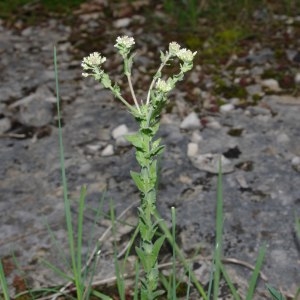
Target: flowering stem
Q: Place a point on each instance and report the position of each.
(157, 75)
(132, 92)
(147, 147)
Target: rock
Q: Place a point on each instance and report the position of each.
(226, 108)
(108, 150)
(213, 124)
(122, 142)
(256, 110)
(191, 122)
(192, 149)
(196, 137)
(120, 131)
(283, 99)
(5, 125)
(210, 163)
(121, 23)
(282, 138)
(296, 163)
(93, 148)
(297, 78)
(254, 89)
(271, 84)
(260, 57)
(36, 109)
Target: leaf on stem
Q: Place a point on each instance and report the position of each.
(138, 181)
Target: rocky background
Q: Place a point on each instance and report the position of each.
(241, 100)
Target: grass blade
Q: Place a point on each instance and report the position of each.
(233, 290)
(3, 283)
(255, 274)
(274, 293)
(173, 212)
(219, 230)
(101, 296)
(179, 254)
(119, 271)
(67, 205)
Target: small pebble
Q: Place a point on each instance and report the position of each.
(191, 122)
(5, 125)
(192, 149)
(120, 131)
(226, 108)
(121, 23)
(108, 150)
(271, 84)
(122, 142)
(196, 137)
(297, 78)
(282, 138)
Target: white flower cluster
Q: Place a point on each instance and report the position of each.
(174, 48)
(183, 54)
(186, 55)
(163, 86)
(124, 42)
(93, 60)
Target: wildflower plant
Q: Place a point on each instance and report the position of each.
(147, 113)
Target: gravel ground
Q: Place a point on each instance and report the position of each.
(256, 131)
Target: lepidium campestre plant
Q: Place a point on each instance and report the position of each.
(148, 148)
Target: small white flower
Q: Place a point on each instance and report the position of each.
(93, 60)
(125, 42)
(163, 86)
(174, 48)
(186, 55)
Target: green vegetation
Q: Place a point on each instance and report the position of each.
(152, 229)
(10, 8)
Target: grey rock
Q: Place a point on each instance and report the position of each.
(120, 131)
(5, 125)
(226, 108)
(260, 57)
(191, 122)
(271, 84)
(37, 109)
(108, 150)
(210, 163)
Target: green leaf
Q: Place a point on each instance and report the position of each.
(140, 254)
(158, 293)
(162, 56)
(274, 293)
(147, 131)
(157, 151)
(135, 140)
(146, 260)
(138, 181)
(157, 245)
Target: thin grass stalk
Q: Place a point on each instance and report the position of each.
(211, 279)
(189, 284)
(79, 239)
(179, 254)
(101, 296)
(219, 229)
(136, 281)
(3, 283)
(118, 270)
(233, 290)
(173, 212)
(67, 204)
(255, 274)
